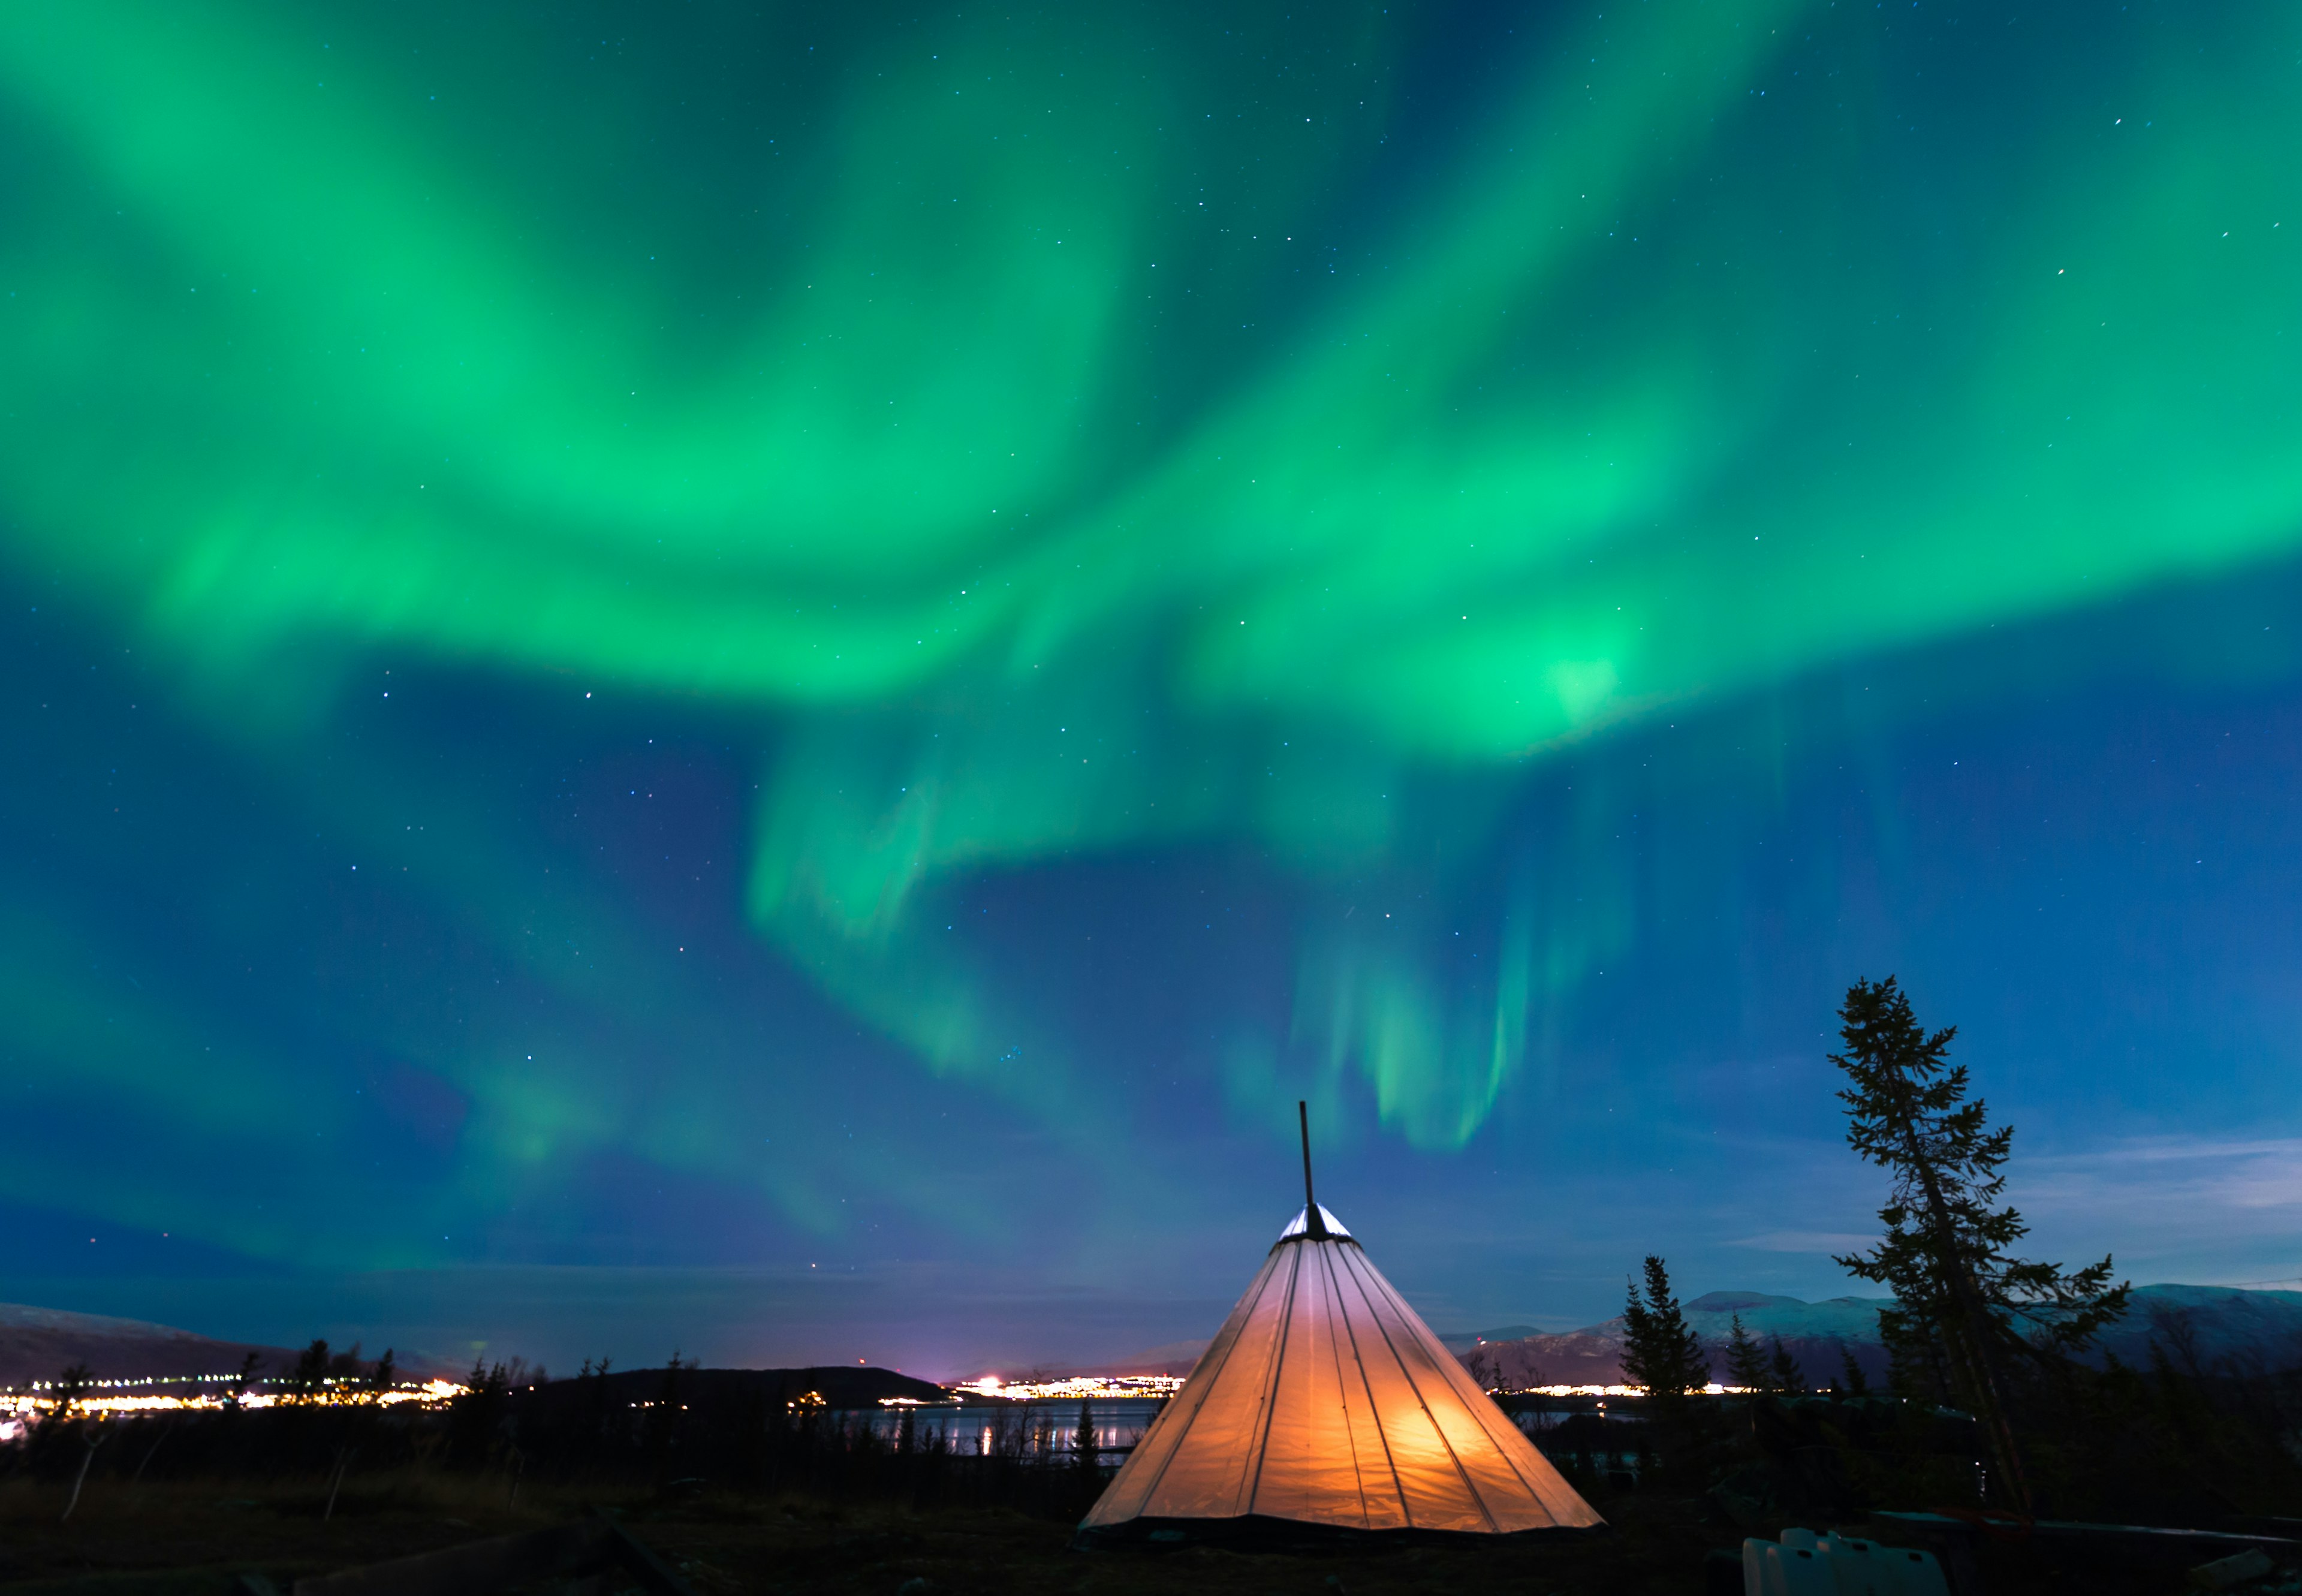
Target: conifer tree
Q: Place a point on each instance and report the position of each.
(307, 1381)
(68, 1393)
(1747, 1365)
(1660, 1352)
(1962, 1302)
(242, 1382)
(1083, 1442)
(1788, 1378)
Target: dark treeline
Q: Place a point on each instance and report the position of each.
(2212, 1447)
(677, 1428)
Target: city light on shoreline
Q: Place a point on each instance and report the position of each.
(1107, 1388)
(123, 1398)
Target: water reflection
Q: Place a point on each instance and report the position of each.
(1038, 1430)
(1033, 1431)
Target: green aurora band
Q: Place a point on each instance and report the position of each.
(1075, 433)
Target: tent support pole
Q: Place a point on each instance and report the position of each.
(1313, 1221)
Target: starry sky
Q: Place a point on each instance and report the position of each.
(771, 679)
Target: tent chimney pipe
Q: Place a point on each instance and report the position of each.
(1314, 1223)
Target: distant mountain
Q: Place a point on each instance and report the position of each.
(40, 1343)
(840, 1385)
(2211, 1323)
(1463, 1340)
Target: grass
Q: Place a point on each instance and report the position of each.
(171, 1536)
(163, 1539)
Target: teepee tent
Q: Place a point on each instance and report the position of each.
(1324, 1400)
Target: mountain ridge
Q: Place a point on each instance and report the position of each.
(2215, 1322)
(40, 1343)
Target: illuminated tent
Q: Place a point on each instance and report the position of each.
(1324, 1400)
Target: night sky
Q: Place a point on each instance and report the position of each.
(770, 682)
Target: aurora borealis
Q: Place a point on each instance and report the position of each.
(707, 639)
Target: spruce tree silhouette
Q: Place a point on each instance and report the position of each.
(1964, 1307)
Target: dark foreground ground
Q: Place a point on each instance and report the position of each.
(149, 1541)
(160, 1540)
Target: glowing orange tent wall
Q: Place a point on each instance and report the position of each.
(1325, 1400)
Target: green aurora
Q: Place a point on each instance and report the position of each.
(1069, 433)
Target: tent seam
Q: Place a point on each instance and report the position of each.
(1469, 1485)
(1270, 1389)
(1374, 1411)
(1214, 1373)
(1342, 1393)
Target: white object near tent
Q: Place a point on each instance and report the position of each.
(1324, 1400)
(1805, 1564)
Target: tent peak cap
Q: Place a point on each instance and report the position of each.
(1299, 1229)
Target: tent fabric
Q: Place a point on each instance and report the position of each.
(1325, 1400)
